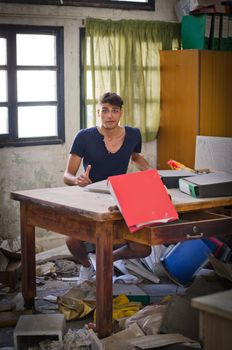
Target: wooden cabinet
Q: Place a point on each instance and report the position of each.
(196, 99)
(215, 320)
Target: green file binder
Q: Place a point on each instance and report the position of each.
(215, 32)
(230, 34)
(195, 31)
(224, 32)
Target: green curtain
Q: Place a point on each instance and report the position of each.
(123, 57)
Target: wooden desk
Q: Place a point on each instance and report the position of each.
(72, 211)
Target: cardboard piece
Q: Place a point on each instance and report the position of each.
(213, 153)
(148, 318)
(222, 269)
(187, 322)
(158, 340)
(12, 274)
(118, 341)
(31, 329)
(54, 253)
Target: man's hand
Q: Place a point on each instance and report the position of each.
(83, 180)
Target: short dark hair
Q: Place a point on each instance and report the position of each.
(112, 98)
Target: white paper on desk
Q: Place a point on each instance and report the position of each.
(99, 187)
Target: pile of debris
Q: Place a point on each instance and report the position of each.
(140, 319)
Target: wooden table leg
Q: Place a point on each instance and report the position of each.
(104, 262)
(28, 258)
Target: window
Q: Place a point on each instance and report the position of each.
(142, 4)
(31, 85)
(122, 4)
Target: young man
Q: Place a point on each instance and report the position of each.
(105, 150)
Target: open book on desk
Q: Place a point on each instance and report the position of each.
(142, 199)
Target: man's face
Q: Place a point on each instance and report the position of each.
(110, 115)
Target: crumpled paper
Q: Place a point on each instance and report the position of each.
(78, 302)
(148, 319)
(45, 269)
(74, 339)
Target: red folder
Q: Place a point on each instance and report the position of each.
(142, 199)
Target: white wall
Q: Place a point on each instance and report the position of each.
(43, 166)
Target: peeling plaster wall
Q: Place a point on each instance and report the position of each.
(43, 166)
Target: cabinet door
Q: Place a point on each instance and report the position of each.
(215, 93)
(179, 114)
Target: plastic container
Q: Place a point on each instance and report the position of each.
(185, 259)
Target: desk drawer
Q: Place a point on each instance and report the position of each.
(191, 225)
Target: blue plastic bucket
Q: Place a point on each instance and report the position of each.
(185, 259)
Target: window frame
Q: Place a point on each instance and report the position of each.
(130, 5)
(82, 33)
(12, 139)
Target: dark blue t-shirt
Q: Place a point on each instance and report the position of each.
(89, 145)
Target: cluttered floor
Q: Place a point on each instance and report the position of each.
(152, 308)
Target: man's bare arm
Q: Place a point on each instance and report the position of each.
(140, 162)
(72, 168)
